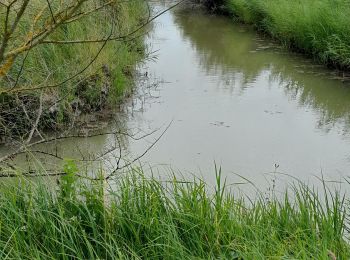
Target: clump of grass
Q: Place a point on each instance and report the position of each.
(105, 80)
(145, 218)
(53, 63)
(318, 28)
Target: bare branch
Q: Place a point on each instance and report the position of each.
(50, 8)
(111, 174)
(35, 125)
(9, 31)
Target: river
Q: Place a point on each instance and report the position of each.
(237, 99)
(240, 100)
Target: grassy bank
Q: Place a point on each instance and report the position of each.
(88, 76)
(317, 28)
(148, 219)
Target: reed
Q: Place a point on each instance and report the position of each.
(145, 218)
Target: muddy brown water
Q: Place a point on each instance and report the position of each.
(236, 99)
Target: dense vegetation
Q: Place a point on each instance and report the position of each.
(136, 216)
(145, 218)
(61, 77)
(318, 28)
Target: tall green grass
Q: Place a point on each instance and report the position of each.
(51, 64)
(145, 218)
(318, 28)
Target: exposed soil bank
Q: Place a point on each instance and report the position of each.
(317, 28)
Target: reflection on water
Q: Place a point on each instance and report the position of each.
(236, 99)
(229, 51)
(240, 100)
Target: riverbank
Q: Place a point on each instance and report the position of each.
(52, 85)
(229, 102)
(319, 29)
(148, 219)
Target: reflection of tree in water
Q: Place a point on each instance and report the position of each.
(233, 51)
(92, 144)
(218, 45)
(329, 98)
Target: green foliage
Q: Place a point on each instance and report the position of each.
(147, 219)
(92, 86)
(318, 28)
(53, 63)
(68, 181)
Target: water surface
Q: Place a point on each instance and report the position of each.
(234, 98)
(240, 100)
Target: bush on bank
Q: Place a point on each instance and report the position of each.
(94, 86)
(145, 218)
(317, 28)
